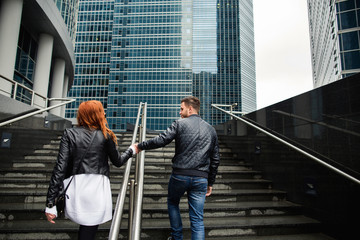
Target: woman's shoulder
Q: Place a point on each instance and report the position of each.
(77, 132)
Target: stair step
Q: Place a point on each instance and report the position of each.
(159, 228)
(118, 172)
(242, 205)
(151, 184)
(49, 162)
(309, 236)
(152, 192)
(21, 211)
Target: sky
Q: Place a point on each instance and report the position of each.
(282, 50)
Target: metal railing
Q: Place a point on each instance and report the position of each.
(136, 186)
(38, 111)
(12, 94)
(15, 86)
(288, 144)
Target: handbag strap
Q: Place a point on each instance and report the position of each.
(82, 158)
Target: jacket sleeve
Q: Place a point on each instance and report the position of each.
(214, 163)
(117, 158)
(60, 169)
(162, 140)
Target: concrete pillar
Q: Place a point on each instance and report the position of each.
(43, 67)
(57, 84)
(64, 94)
(10, 20)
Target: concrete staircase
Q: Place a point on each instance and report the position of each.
(242, 206)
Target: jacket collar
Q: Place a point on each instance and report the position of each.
(194, 115)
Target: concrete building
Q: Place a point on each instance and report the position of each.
(37, 50)
(335, 40)
(131, 51)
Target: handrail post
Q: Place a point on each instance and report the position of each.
(32, 98)
(131, 206)
(15, 90)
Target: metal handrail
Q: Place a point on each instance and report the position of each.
(136, 224)
(16, 85)
(33, 94)
(290, 145)
(38, 111)
(119, 208)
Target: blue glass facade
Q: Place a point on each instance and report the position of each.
(348, 17)
(150, 61)
(68, 10)
(25, 64)
(92, 53)
(161, 51)
(335, 39)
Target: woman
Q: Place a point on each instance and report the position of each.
(84, 153)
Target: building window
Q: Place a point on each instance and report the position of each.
(348, 20)
(352, 60)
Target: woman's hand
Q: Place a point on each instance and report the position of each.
(51, 214)
(50, 217)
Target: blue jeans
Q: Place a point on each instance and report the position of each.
(196, 188)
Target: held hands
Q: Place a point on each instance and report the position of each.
(136, 148)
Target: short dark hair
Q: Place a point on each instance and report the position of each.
(192, 101)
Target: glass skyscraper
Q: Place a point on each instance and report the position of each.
(131, 51)
(334, 35)
(68, 10)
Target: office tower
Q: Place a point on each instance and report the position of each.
(36, 49)
(161, 51)
(92, 54)
(334, 35)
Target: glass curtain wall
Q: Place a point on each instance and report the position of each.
(69, 10)
(335, 39)
(348, 17)
(161, 51)
(151, 61)
(25, 65)
(92, 53)
(234, 81)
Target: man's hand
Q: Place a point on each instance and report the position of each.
(209, 190)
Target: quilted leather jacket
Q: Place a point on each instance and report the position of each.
(196, 147)
(73, 146)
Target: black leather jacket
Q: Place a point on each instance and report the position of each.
(73, 146)
(196, 147)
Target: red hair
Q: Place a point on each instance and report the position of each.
(91, 114)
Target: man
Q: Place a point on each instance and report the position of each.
(194, 164)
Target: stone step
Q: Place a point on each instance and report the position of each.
(20, 211)
(151, 183)
(148, 167)
(25, 195)
(159, 228)
(51, 160)
(309, 236)
(52, 151)
(242, 206)
(150, 172)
